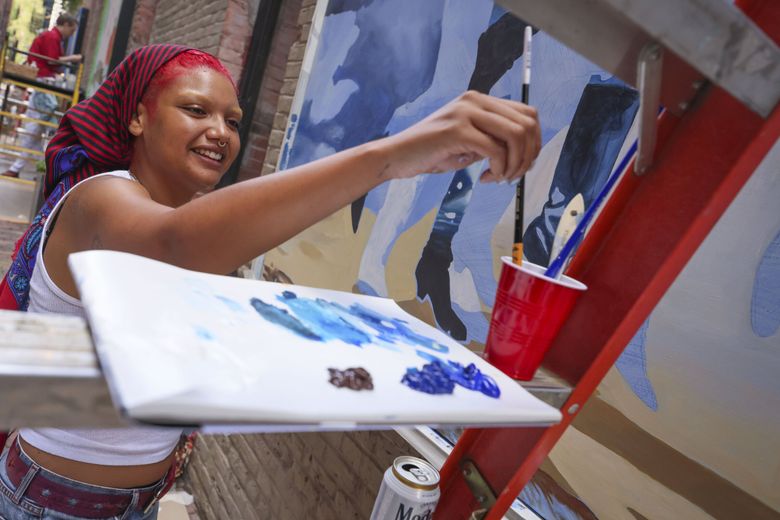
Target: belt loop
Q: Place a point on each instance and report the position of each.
(25, 483)
(132, 506)
(156, 498)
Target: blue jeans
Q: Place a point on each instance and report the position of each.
(26, 509)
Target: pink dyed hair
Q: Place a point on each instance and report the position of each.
(178, 66)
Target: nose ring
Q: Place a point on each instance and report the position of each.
(221, 144)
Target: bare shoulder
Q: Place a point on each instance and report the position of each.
(91, 218)
(104, 195)
(100, 187)
(99, 202)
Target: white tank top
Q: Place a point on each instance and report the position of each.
(110, 447)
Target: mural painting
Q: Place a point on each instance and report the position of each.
(433, 244)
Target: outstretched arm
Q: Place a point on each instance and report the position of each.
(222, 230)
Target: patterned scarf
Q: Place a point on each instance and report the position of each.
(92, 138)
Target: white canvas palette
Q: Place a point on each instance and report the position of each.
(179, 346)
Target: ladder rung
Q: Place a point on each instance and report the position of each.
(23, 103)
(548, 387)
(25, 118)
(21, 149)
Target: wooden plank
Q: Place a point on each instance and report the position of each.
(49, 374)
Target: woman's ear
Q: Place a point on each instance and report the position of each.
(136, 127)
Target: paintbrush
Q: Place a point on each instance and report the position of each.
(571, 216)
(556, 266)
(517, 247)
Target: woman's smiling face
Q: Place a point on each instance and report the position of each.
(188, 135)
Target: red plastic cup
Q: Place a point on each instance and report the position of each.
(529, 311)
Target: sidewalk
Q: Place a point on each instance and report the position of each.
(10, 232)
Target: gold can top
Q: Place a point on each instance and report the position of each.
(415, 473)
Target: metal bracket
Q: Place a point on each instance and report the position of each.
(648, 74)
(712, 41)
(479, 487)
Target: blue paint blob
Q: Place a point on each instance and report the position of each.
(765, 304)
(326, 320)
(203, 333)
(231, 304)
(283, 318)
(431, 379)
(439, 377)
(472, 378)
(392, 329)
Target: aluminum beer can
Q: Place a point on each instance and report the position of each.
(409, 491)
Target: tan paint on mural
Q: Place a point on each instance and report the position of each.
(326, 255)
(548, 467)
(612, 485)
(418, 309)
(309, 250)
(672, 469)
(696, 427)
(404, 256)
(716, 382)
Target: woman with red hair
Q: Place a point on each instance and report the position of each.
(123, 172)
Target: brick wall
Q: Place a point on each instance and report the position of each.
(143, 23)
(197, 23)
(289, 39)
(322, 476)
(221, 27)
(224, 28)
(290, 81)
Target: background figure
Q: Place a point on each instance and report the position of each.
(600, 125)
(497, 50)
(42, 105)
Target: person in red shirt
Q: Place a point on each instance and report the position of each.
(48, 44)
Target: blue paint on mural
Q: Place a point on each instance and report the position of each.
(375, 198)
(340, 6)
(603, 118)
(765, 304)
(385, 69)
(477, 324)
(364, 288)
(433, 281)
(632, 365)
(370, 78)
(469, 246)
